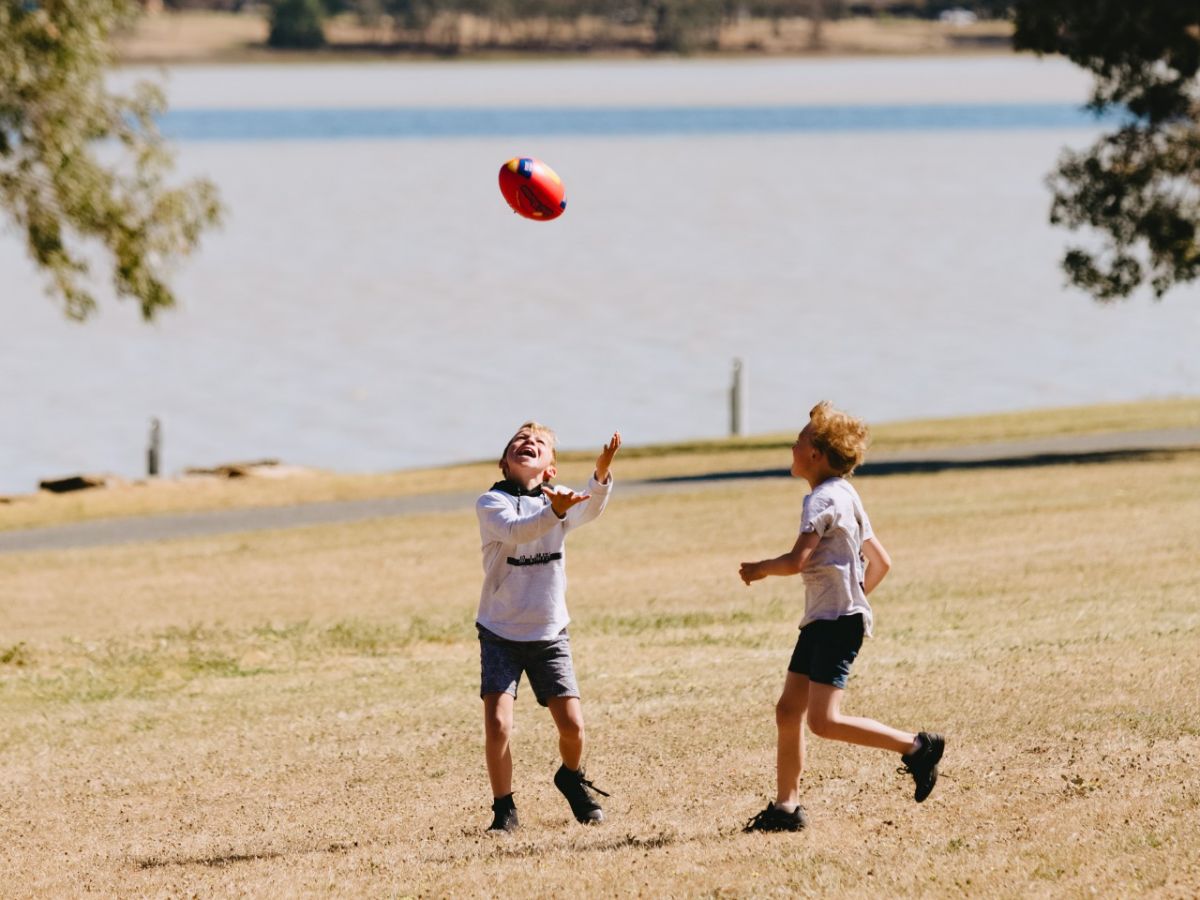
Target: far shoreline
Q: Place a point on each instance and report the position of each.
(297, 484)
(196, 38)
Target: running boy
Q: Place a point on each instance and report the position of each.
(841, 562)
(522, 619)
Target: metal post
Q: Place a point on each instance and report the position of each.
(737, 399)
(155, 449)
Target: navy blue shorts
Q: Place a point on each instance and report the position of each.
(547, 663)
(826, 649)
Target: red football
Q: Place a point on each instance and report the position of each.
(532, 189)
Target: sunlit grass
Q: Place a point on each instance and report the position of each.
(296, 713)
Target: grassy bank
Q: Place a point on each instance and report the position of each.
(691, 458)
(295, 713)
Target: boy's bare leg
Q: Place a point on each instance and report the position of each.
(568, 716)
(826, 720)
(497, 727)
(789, 719)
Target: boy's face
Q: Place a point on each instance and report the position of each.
(804, 454)
(529, 457)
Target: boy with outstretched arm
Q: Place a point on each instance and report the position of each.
(522, 619)
(841, 562)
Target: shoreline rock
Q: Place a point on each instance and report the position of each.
(80, 482)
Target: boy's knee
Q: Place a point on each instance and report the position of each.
(820, 724)
(572, 729)
(497, 725)
(787, 713)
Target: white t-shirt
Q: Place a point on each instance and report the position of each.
(834, 575)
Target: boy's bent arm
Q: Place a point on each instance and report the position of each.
(598, 498)
(791, 563)
(498, 521)
(878, 563)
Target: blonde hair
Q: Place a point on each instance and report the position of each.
(841, 437)
(536, 428)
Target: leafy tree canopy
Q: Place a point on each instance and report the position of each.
(82, 169)
(1137, 187)
(296, 24)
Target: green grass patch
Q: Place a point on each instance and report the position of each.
(15, 655)
(174, 658)
(656, 622)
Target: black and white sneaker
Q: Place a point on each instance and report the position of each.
(922, 763)
(775, 819)
(579, 793)
(504, 814)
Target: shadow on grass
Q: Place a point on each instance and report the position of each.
(518, 846)
(927, 466)
(221, 860)
(605, 845)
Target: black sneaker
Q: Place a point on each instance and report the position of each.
(578, 791)
(921, 764)
(505, 814)
(775, 819)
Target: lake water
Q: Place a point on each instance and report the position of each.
(869, 231)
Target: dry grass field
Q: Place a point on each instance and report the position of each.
(295, 713)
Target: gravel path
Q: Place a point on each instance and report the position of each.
(1048, 451)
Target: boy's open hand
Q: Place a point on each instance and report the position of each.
(604, 460)
(751, 572)
(563, 499)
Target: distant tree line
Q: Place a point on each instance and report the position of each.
(674, 25)
(663, 25)
(669, 25)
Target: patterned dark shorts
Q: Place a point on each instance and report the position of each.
(826, 649)
(547, 663)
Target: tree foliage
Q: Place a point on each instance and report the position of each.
(685, 26)
(1138, 188)
(297, 24)
(83, 169)
(673, 26)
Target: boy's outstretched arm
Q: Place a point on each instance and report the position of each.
(604, 460)
(603, 477)
(878, 563)
(790, 563)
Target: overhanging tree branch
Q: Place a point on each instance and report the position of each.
(1138, 189)
(57, 121)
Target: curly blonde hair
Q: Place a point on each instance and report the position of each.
(841, 437)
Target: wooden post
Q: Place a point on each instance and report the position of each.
(154, 451)
(737, 399)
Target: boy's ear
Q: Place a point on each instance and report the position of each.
(550, 472)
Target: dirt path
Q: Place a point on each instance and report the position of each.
(1097, 448)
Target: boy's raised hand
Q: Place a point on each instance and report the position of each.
(604, 460)
(562, 499)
